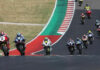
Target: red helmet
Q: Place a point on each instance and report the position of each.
(89, 11)
(84, 36)
(82, 14)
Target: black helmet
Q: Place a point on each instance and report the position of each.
(87, 4)
(77, 38)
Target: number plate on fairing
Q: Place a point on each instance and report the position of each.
(2, 38)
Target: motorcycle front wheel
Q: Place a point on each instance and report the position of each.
(5, 50)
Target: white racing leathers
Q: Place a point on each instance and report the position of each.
(47, 44)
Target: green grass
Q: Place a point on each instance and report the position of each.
(26, 11)
(29, 32)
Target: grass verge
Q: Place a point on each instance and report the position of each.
(29, 32)
(26, 11)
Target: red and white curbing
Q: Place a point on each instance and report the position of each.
(68, 18)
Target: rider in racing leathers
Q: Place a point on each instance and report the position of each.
(19, 35)
(87, 7)
(6, 39)
(82, 17)
(90, 33)
(79, 42)
(90, 36)
(97, 24)
(71, 45)
(80, 2)
(22, 37)
(85, 40)
(79, 45)
(47, 45)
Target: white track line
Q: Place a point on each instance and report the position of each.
(69, 24)
(67, 18)
(45, 28)
(42, 30)
(65, 31)
(21, 24)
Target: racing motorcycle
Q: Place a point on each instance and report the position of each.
(85, 43)
(20, 45)
(98, 30)
(79, 47)
(97, 24)
(88, 13)
(82, 19)
(47, 48)
(80, 3)
(3, 46)
(90, 38)
(71, 49)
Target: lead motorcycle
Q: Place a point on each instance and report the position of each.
(47, 47)
(20, 45)
(3, 46)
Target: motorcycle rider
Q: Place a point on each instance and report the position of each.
(6, 39)
(90, 36)
(85, 40)
(82, 17)
(90, 32)
(47, 45)
(88, 10)
(71, 45)
(97, 24)
(23, 40)
(80, 2)
(79, 45)
(87, 7)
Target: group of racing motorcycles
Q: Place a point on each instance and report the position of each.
(86, 39)
(19, 43)
(79, 44)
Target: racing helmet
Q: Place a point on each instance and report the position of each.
(89, 31)
(82, 14)
(2, 33)
(77, 39)
(87, 4)
(46, 39)
(18, 34)
(84, 36)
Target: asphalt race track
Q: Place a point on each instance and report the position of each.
(61, 60)
(77, 30)
(50, 63)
